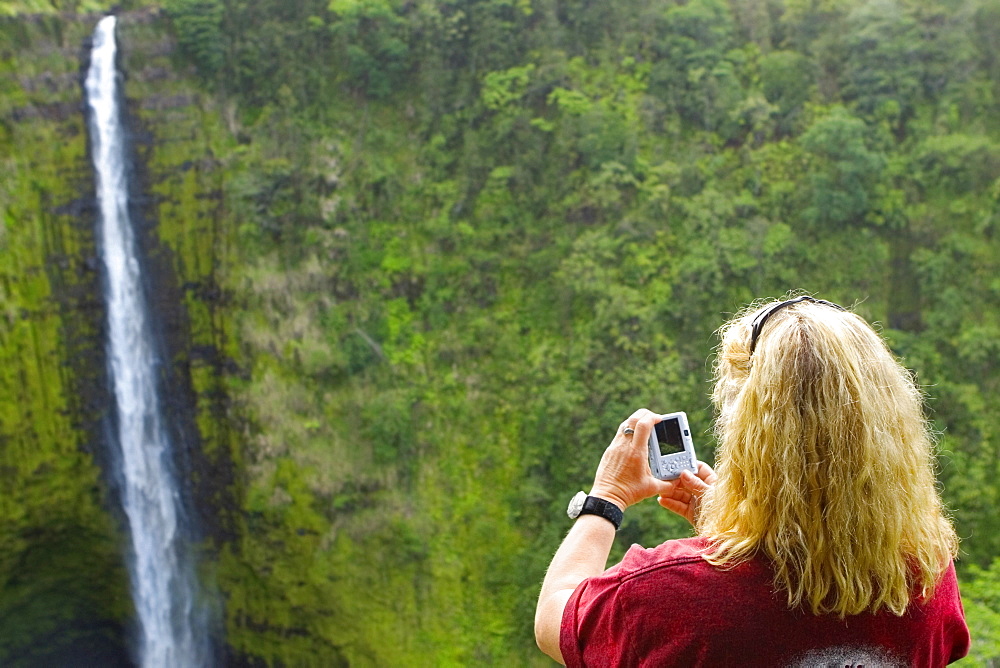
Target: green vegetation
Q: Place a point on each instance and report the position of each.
(49, 7)
(431, 253)
(61, 574)
(474, 236)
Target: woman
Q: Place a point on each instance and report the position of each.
(821, 539)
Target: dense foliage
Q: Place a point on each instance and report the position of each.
(53, 514)
(475, 235)
(458, 241)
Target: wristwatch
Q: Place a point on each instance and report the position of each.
(581, 504)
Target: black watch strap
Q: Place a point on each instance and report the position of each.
(597, 506)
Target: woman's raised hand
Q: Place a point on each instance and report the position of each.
(623, 476)
(683, 495)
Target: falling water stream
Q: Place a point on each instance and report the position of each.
(171, 632)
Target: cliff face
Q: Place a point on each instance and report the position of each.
(178, 205)
(64, 593)
(64, 590)
(410, 265)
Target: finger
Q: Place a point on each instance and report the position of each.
(673, 505)
(706, 473)
(693, 484)
(643, 425)
(677, 494)
(633, 419)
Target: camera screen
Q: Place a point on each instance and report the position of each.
(668, 433)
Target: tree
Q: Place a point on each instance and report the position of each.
(198, 24)
(844, 170)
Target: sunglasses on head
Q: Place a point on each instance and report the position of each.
(758, 322)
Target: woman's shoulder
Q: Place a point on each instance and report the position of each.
(684, 558)
(671, 553)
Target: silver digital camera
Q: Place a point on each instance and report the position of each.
(671, 449)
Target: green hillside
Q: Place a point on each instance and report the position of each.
(421, 258)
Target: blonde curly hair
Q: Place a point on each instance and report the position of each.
(825, 464)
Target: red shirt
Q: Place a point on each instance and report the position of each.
(667, 606)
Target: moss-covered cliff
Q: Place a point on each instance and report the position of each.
(412, 261)
(64, 590)
(179, 143)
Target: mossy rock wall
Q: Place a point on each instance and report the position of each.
(411, 266)
(64, 588)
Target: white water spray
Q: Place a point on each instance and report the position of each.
(172, 632)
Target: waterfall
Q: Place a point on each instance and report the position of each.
(171, 629)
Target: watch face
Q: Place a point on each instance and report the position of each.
(576, 505)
